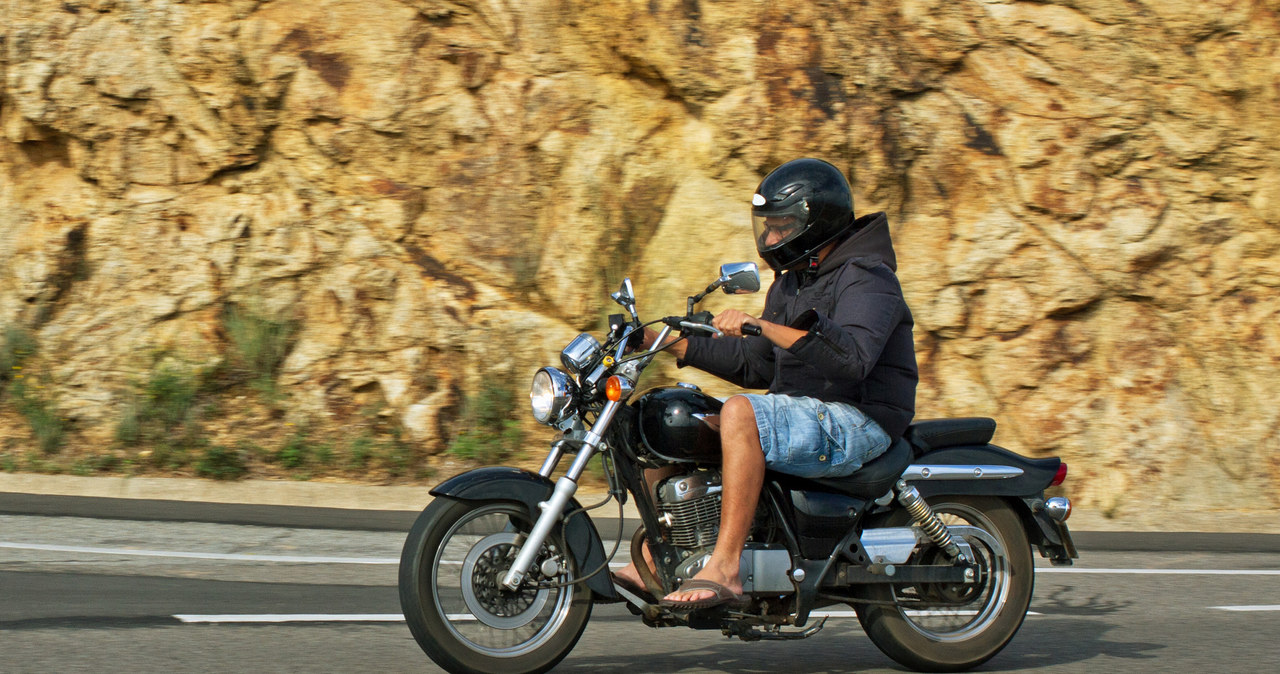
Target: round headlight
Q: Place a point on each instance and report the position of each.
(550, 395)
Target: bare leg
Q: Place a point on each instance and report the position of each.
(743, 476)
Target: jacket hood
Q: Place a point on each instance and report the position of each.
(870, 244)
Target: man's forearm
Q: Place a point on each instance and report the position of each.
(780, 335)
(677, 345)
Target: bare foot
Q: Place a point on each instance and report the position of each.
(631, 574)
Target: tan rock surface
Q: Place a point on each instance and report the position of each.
(1085, 196)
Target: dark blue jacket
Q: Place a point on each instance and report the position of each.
(858, 349)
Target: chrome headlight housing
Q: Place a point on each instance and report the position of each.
(550, 395)
(578, 354)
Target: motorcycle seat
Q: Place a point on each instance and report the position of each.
(926, 436)
(875, 477)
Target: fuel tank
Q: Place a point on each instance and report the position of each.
(673, 425)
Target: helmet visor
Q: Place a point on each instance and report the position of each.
(774, 227)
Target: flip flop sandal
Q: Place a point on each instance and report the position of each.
(723, 596)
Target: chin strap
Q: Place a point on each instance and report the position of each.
(810, 272)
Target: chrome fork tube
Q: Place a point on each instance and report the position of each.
(553, 460)
(554, 507)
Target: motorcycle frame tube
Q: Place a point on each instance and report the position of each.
(554, 507)
(632, 479)
(501, 483)
(818, 570)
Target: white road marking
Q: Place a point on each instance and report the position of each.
(1166, 572)
(914, 614)
(386, 561)
(290, 618)
(220, 556)
(458, 617)
(1261, 607)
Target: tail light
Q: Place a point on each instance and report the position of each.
(1060, 476)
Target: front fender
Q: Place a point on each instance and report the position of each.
(501, 483)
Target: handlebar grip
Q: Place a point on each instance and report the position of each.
(751, 329)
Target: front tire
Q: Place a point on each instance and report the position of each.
(453, 560)
(950, 628)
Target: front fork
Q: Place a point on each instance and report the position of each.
(553, 508)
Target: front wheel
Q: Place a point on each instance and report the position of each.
(942, 627)
(450, 590)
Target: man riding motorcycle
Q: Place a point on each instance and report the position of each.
(833, 348)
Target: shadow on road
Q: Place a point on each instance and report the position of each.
(1071, 629)
(1051, 642)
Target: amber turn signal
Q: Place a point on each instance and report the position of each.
(617, 388)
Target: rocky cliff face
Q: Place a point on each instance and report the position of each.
(1085, 197)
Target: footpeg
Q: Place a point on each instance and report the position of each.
(636, 604)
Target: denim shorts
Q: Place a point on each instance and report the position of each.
(810, 438)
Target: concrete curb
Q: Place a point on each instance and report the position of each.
(316, 495)
(255, 492)
(393, 507)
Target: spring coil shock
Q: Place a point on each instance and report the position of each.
(928, 521)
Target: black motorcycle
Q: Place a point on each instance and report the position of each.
(930, 542)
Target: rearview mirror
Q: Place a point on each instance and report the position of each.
(625, 295)
(739, 278)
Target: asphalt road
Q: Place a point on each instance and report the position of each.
(127, 590)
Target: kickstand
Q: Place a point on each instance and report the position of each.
(750, 634)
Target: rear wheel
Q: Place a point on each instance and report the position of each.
(943, 627)
(451, 593)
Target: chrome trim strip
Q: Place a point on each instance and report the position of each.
(959, 472)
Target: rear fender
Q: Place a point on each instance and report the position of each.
(1034, 478)
(1025, 492)
(500, 483)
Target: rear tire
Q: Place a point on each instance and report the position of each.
(450, 568)
(950, 628)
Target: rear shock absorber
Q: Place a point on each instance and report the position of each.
(928, 521)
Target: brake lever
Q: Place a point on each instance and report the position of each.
(702, 326)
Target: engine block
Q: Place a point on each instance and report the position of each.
(690, 507)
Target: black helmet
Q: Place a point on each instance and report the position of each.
(798, 208)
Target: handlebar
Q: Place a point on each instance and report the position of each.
(690, 325)
(702, 321)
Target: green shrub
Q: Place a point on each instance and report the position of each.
(396, 456)
(324, 454)
(489, 433)
(222, 463)
(163, 412)
(17, 345)
(96, 463)
(129, 430)
(360, 451)
(48, 427)
(294, 452)
(169, 455)
(169, 397)
(260, 345)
